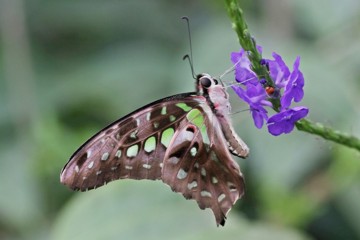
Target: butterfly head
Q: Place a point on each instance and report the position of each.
(204, 82)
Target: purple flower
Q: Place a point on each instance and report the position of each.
(294, 87)
(279, 72)
(288, 87)
(255, 96)
(284, 121)
(243, 72)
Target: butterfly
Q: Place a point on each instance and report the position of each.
(185, 140)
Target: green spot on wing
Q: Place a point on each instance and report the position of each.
(184, 106)
(163, 110)
(132, 151)
(150, 144)
(166, 136)
(172, 118)
(197, 118)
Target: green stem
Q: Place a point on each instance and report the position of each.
(246, 41)
(328, 133)
(248, 44)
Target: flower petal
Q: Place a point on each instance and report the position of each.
(255, 96)
(259, 114)
(294, 87)
(279, 72)
(258, 119)
(284, 121)
(243, 71)
(299, 113)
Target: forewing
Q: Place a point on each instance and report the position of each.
(198, 164)
(132, 147)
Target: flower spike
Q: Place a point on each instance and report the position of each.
(258, 95)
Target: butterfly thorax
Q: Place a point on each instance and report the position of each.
(218, 99)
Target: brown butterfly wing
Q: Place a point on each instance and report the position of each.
(198, 164)
(132, 147)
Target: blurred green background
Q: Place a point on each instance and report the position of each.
(70, 67)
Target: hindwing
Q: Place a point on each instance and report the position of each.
(198, 164)
(177, 139)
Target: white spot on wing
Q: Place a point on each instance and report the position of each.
(192, 185)
(181, 174)
(118, 153)
(147, 166)
(91, 164)
(203, 172)
(128, 167)
(214, 180)
(174, 160)
(117, 136)
(105, 156)
(77, 169)
(205, 193)
(193, 151)
(221, 197)
(148, 115)
(98, 172)
(133, 134)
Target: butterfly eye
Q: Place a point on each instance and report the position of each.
(216, 82)
(205, 82)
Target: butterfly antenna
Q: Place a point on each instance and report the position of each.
(234, 83)
(227, 71)
(240, 111)
(187, 56)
